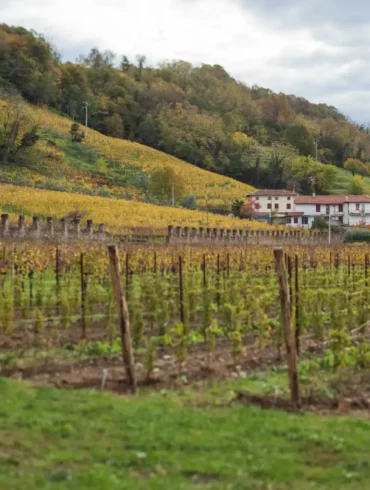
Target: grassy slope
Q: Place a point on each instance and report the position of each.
(56, 439)
(343, 182)
(71, 166)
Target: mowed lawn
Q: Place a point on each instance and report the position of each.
(79, 440)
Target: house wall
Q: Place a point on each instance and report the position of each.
(282, 201)
(354, 216)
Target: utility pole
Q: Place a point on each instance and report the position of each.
(329, 224)
(86, 106)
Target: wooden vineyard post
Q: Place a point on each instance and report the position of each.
(286, 314)
(127, 270)
(181, 284)
(128, 357)
(218, 281)
(204, 267)
(366, 269)
(83, 297)
(155, 263)
(297, 325)
(58, 257)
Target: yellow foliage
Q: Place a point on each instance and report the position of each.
(117, 214)
(206, 186)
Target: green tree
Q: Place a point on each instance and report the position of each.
(77, 136)
(18, 131)
(355, 166)
(236, 207)
(356, 186)
(165, 184)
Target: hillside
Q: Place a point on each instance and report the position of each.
(199, 114)
(106, 166)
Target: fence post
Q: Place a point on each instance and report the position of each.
(64, 228)
(36, 225)
(90, 228)
(101, 230)
(128, 357)
(50, 226)
(21, 227)
(286, 314)
(4, 224)
(77, 222)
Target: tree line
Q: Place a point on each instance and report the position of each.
(197, 113)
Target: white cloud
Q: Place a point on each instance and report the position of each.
(295, 58)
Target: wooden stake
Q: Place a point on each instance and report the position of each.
(297, 325)
(182, 315)
(128, 357)
(204, 267)
(83, 297)
(286, 313)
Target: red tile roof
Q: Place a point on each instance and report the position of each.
(331, 199)
(272, 192)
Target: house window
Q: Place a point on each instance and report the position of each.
(276, 198)
(318, 208)
(269, 198)
(296, 221)
(327, 210)
(305, 220)
(340, 208)
(276, 206)
(289, 198)
(269, 206)
(289, 206)
(257, 198)
(358, 207)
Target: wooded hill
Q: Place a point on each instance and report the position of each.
(197, 113)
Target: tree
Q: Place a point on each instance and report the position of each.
(356, 167)
(356, 186)
(18, 131)
(165, 184)
(189, 202)
(250, 209)
(307, 176)
(77, 136)
(236, 207)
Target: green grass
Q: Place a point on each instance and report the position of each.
(343, 181)
(77, 440)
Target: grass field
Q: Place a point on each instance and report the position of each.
(79, 440)
(343, 181)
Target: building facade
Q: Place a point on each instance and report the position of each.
(270, 200)
(293, 210)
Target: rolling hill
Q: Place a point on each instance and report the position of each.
(110, 167)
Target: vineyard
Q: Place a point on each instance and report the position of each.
(72, 166)
(193, 310)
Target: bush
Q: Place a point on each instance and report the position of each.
(319, 223)
(357, 236)
(189, 202)
(104, 193)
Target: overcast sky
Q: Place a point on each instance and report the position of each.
(318, 49)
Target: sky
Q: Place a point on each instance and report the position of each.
(317, 49)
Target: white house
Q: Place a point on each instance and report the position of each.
(342, 210)
(294, 210)
(278, 200)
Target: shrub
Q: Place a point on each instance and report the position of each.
(189, 202)
(357, 236)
